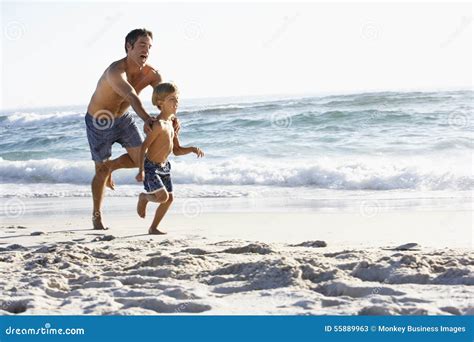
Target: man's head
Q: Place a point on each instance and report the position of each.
(166, 97)
(137, 45)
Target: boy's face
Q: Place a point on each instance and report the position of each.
(170, 103)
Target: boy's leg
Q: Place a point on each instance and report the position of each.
(143, 199)
(160, 213)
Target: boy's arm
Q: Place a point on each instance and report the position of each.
(155, 132)
(179, 150)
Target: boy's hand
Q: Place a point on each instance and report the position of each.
(198, 151)
(147, 128)
(140, 176)
(176, 125)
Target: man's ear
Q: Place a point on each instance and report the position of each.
(129, 46)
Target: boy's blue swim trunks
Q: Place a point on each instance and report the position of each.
(157, 176)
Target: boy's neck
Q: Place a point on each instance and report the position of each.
(165, 116)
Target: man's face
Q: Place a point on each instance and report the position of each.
(140, 50)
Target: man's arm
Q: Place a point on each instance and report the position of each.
(118, 81)
(155, 132)
(156, 78)
(179, 150)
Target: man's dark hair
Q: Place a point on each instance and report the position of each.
(133, 35)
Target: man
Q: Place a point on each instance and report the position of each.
(107, 118)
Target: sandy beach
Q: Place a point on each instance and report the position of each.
(277, 262)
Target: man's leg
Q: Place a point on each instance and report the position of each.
(98, 185)
(128, 160)
(160, 213)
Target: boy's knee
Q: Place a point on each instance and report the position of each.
(170, 198)
(162, 196)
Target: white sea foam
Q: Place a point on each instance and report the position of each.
(364, 173)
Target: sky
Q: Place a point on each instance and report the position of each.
(53, 54)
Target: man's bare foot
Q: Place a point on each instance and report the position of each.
(110, 182)
(141, 205)
(97, 223)
(155, 231)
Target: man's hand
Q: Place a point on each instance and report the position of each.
(199, 153)
(140, 176)
(148, 127)
(176, 125)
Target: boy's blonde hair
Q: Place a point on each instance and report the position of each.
(161, 91)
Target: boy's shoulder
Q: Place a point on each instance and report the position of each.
(160, 125)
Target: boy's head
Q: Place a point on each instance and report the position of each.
(165, 97)
(137, 45)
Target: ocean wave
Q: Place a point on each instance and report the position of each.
(30, 118)
(361, 173)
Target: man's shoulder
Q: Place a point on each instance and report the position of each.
(153, 74)
(151, 69)
(117, 66)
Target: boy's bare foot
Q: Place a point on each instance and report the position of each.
(97, 223)
(155, 231)
(141, 205)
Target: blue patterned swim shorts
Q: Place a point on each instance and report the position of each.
(104, 131)
(157, 177)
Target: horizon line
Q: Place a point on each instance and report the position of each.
(287, 95)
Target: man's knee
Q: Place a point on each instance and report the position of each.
(170, 198)
(102, 168)
(134, 154)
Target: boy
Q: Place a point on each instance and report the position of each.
(155, 168)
